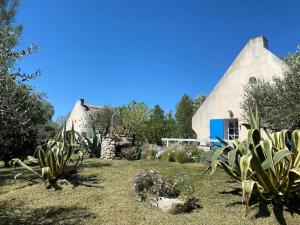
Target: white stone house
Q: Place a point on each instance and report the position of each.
(220, 114)
(79, 115)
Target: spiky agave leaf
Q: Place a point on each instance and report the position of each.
(268, 168)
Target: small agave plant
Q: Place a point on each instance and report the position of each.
(266, 167)
(54, 158)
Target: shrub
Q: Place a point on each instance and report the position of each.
(149, 185)
(131, 153)
(196, 154)
(269, 168)
(181, 156)
(168, 155)
(150, 154)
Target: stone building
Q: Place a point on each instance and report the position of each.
(220, 114)
(79, 115)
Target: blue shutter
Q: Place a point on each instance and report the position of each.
(216, 128)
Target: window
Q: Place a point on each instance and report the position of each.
(233, 129)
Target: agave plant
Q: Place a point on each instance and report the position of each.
(93, 144)
(267, 167)
(54, 159)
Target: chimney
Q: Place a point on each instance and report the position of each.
(260, 41)
(82, 101)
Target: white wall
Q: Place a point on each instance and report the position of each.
(254, 60)
(77, 116)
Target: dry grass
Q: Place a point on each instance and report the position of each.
(103, 195)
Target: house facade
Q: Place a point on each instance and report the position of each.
(220, 114)
(79, 115)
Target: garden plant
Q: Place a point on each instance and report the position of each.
(53, 159)
(267, 167)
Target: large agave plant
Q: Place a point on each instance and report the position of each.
(54, 159)
(267, 167)
(93, 144)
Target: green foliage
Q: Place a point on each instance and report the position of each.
(181, 156)
(169, 154)
(171, 128)
(278, 101)
(131, 153)
(132, 121)
(101, 120)
(267, 167)
(149, 185)
(23, 112)
(150, 154)
(184, 114)
(92, 145)
(53, 159)
(196, 154)
(155, 126)
(197, 102)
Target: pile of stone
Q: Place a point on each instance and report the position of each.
(111, 147)
(108, 148)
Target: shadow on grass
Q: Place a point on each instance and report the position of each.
(234, 191)
(96, 165)
(83, 180)
(7, 174)
(263, 211)
(12, 212)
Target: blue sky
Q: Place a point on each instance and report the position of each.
(112, 51)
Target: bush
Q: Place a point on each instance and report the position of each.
(181, 156)
(131, 153)
(168, 155)
(150, 154)
(196, 154)
(149, 185)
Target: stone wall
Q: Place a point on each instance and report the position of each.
(108, 148)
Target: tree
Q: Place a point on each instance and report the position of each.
(197, 102)
(156, 126)
(100, 120)
(61, 120)
(184, 114)
(278, 101)
(22, 109)
(171, 126)
(132, 120)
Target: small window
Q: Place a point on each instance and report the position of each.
(233, 129)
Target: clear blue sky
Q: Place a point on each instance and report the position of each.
(112, 51)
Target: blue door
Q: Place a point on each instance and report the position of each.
(216, 128)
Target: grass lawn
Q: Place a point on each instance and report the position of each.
(103, 195)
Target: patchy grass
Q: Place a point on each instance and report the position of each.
(103, 195)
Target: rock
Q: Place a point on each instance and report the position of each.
(171, 205)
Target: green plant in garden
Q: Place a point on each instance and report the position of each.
(168, 154)
(267, 167)
(149, 185)
(196, 154)
(54, 158)
(150, 154)
(93, 144)
(181, 156)
(131, 153)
